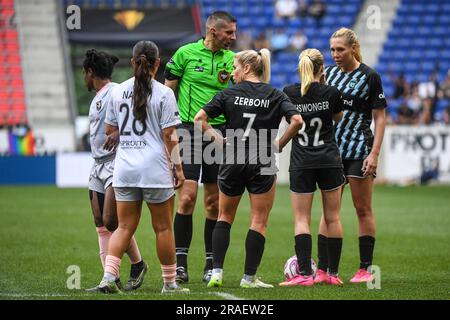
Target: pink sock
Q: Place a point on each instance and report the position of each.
(112, 265)
(133, 252)
(169, 272)
(103, 240)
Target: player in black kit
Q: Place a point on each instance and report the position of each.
(253, 111)
(363, 96)
(315, 160)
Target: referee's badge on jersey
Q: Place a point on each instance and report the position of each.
(224, 76)
(99, 105)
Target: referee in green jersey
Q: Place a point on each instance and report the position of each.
(199, 70)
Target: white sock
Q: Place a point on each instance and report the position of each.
(217, 271)
(109, 277)
(249, 278)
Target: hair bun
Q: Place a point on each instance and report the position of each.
(114, 59)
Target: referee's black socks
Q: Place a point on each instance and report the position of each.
(322, 252)
(366, 247)
(254, 249)
(183, 236)
(208, 234)
(220, 243)
(303, 248)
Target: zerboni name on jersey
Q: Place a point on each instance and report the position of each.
(313, 107)
(249, 102)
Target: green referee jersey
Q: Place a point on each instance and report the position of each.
(202, 74)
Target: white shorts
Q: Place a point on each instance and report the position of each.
(149, 195)
(101, 176)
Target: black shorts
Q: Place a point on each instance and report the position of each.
(304, 181)
(235, 178)
(353, 169)
(192, 155)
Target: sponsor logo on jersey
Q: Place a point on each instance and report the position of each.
(352, 84)
(224, 76)
(381, 95)
(131, 144)
(98, 105)
(171, 61)
(199, 69)
(348, 102)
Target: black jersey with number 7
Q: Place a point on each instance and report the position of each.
(251, 109)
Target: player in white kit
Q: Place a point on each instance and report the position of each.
(145, 113)
(98, 68)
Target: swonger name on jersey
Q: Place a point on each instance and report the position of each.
(250, 102)
(313, 107)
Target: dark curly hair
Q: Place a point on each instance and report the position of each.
(101, 63)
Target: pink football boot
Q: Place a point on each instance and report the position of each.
(306, 281)
(362, 276)
(335, 281)
(321, 277)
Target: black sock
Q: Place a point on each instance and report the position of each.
(220, 242)
(366, 246)
(254, 249)
(334, 255)
(136, 268)
(208, 234)
(303, 248)
(322, 252)
(183, 236)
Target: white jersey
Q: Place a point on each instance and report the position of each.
(97, 113)
(142, 160)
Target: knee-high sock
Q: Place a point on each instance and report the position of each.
(220, 243)
(103, 240)
(322, 252)
(208, 234)
(303, 248)
(366, 247)
(183, 236)
(254, 249)
(169, 273)
(334, 254)
(112, 265)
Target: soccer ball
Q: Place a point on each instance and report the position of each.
(291, 268)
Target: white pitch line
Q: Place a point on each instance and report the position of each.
(227, 296)
(223, 295)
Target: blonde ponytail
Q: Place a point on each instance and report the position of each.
(310, 64)
(259, 62)
(265, 65)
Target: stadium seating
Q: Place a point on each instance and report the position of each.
(417, 46)
(12, 97)
(259, 15)
(340, 13)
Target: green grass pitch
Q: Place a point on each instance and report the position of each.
(44, 230)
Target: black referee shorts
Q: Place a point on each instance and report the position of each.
(192, 155)
(304, 181)
(353, 169)
(235, 178)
